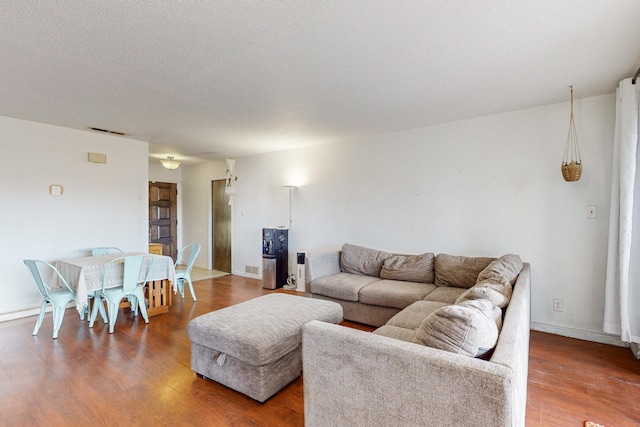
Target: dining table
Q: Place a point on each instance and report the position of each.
(85, 274)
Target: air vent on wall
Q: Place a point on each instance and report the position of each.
(250, 269)
(108, 131)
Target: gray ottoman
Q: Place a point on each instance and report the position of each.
(255, 347)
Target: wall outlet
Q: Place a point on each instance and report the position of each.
(557, 304)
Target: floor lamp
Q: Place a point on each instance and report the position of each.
(290, 284)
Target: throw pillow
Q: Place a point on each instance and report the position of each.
(497, 290)
(507, 266)
(470, 328)
(360, 260)
(459, 271)
(410, 268)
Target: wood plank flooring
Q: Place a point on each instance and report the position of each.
(141, 374)
(572, 381)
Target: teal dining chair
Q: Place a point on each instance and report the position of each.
(131, 288)
(189, 253)
(54, 289)
(105, 251)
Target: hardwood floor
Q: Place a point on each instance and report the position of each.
(572, 381)
(141, 374)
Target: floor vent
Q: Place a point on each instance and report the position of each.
(250, 269)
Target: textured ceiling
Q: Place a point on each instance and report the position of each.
(204, 80)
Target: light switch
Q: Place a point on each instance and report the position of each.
(592, 212)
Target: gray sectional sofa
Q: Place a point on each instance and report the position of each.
(451, 348)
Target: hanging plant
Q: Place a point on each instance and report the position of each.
(572, 163)
(230, 185)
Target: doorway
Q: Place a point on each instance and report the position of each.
(163, 221)
(221, 220)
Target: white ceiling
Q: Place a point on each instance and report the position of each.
(206, 80)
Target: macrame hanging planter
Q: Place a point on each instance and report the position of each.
(230, 185)
(572, 163)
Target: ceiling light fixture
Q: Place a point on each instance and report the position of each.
(170, 163)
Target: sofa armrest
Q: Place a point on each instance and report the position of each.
(357, 378)
(322, 265)
(512, 349)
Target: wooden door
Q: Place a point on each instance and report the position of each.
(163, 221)
(221, 227)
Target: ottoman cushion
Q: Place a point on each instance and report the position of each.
(263, 329)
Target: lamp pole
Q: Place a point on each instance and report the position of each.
(291, 187)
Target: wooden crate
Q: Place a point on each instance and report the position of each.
(156, 248)
(158, 294)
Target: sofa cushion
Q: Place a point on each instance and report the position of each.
(470, 328)
(396, 332)
(412, 316)
(360, 260)
(459, 271)
(507, 266)
(445, 294)
(497, 290)
(411, 268)
(394, 293)
(344, 286)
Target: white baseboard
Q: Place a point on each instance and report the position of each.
(5, 317)
(599, 337)
(247, 275)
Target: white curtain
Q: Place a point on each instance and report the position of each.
(622, 297)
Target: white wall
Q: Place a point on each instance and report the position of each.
(159, 173)
(486, 186)
(196, 200)
(102, 204)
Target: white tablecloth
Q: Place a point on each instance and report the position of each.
(85, 274)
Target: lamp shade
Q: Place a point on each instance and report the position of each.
(170, 163)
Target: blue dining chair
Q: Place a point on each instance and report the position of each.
(55, 291)
(131, 288)
(105, 251)
(189, 252)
